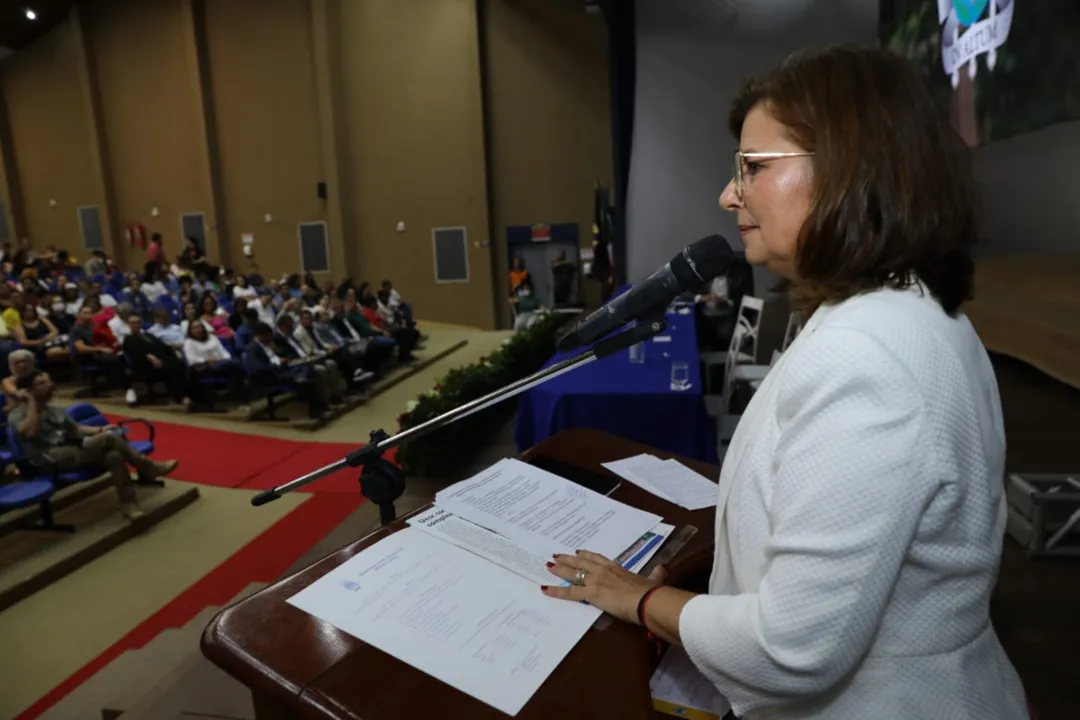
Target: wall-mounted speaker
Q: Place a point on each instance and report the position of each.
(320, 190)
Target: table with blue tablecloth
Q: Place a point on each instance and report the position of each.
(632, 400)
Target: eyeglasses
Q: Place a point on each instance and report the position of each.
(740, 165)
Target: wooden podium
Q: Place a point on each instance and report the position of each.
(299, 666)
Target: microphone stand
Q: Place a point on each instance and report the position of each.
(383, 482)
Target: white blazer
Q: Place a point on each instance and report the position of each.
(859, 527)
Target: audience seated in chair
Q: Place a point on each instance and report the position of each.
(237, 316)
(305, 335)
(372, 353)
(406, 337)
(353, 320)
(207, 358)
(118, 323)
(51, 440)
(152, 361)
(138, 300)
(395, 303)
(215, 317)
(290, 350)
(20, 363)
(98, 347)
(165, 330)
(528, 308)
(266, 368)
(38, 335)
(265, 306)
(242, 289)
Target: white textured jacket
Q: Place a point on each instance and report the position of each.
(859, 527)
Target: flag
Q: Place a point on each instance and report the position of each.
(602, 265)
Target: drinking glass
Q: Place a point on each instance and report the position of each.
(637, 353)
(680, 376)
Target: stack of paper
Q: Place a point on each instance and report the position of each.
(456, 593)
(678, 689)
(669, 479)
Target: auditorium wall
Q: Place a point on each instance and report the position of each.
(691, 59)
(49, 120)
(549, 123)
(142, 57)
(434, 113)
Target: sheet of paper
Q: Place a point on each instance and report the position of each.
(544, 512)
(451, 614)
(517, 559)
(668, 479)
(488, 545)
(678, 684)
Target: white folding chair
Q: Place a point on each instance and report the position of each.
(795, 323)
(750, 310)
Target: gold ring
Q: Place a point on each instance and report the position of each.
(579, 578)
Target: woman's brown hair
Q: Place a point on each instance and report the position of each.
(894, 198)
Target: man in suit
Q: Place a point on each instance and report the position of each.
(267, 368)
(308, 338)
(153, 361)
(288, 348)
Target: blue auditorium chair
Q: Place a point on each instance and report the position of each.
(88, 414)
(24, 493)
(51, 475)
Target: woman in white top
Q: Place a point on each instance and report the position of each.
(241, 289)
(205, 355)
(860, 510)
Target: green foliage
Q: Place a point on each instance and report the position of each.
(445, 451)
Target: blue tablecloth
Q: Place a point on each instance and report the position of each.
(634, 401)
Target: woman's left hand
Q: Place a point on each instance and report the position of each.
(608, 585)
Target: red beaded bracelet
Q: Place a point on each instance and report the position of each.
(643, 602)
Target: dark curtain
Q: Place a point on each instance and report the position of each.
(622, 61)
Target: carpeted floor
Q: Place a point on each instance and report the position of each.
(253, 462)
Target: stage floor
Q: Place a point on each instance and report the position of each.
(1028, 307)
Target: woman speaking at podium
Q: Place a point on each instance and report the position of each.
(861, 513)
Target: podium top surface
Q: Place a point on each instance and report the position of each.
(313, 669)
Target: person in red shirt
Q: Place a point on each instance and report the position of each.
(155, 253)
(406, 337)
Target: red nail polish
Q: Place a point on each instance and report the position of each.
(543, 588)
(556, 556)
(551, 564)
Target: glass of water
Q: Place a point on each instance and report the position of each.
(637, 353)
(680, 376)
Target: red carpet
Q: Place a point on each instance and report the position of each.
(240, 460)
(264, 559)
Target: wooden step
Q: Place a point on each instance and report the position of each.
(31, 561)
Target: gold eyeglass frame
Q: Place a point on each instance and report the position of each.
(739, 178)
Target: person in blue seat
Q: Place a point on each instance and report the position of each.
(245, 333)
(165, 330)
(265, 367)
(51, 439)
(290, 350)
(152, 361)
(207, 357)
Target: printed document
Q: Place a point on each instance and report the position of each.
(544, 512)
(517, 559)
(668, 479)
(451, 614)
(678, 688)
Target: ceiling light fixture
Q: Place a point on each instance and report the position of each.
(30, 14)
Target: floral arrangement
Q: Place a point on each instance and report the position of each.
(450, 448)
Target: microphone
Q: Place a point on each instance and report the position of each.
(695, 265)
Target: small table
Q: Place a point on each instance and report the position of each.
(631, 400)
(299, 666)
